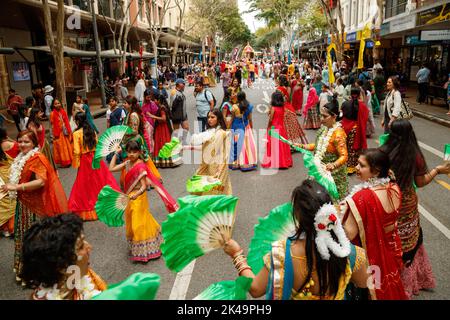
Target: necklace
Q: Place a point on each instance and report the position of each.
(17, 167)
(86, 291)
(324, 140)
(369, 184)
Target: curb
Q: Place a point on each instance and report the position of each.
(430, 117)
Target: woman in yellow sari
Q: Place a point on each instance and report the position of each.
(8, 151)
(142, 231)
(316, 263)
(215, 146)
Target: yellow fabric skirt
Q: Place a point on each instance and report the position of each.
(62, 151)
(142, 230)
(153, 169)
(7, 205)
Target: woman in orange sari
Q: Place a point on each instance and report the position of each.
(34, 183)
(62, 136)
(370, 221)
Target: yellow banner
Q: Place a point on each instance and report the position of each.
(365, 34)
(330, 62)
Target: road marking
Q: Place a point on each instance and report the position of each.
(434, 221)
(431, 149)
(266, 98)
(181, 284)
(444, 184)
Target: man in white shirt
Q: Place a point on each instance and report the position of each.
(139, 90)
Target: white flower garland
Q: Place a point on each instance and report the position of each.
(327, 219)
(17, 167)
(87, 291)
(321, 149)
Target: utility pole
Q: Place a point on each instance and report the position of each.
(99, 59)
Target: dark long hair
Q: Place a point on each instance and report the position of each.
(33, 118)
(378, 160)
(277, 99)
(137, 109)
(226, 97)
(333, 106)
(49, 249)
(242, 101)
(220, 119)
(3, 136)
(163, 104)
(89, 137)
(350, 108)
(403, 151)
(306, 201)
(283, 81)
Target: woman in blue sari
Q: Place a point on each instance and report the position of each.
(243, 147)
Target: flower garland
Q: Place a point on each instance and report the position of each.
(371, 183)
(17, 167)
(324, 140)
(86, 291)
(326, 219)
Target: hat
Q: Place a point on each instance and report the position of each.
(180, 81)
(48, 89)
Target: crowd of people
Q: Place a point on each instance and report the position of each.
(376, 223)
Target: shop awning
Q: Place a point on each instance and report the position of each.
(68, 51)
(7, 51)
(111, 53)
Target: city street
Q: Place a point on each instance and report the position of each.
(258, 193)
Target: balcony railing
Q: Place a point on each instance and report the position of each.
(394, 8)
(424, 3)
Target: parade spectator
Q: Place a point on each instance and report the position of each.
(48, 99)
(114, 115)
(379, 82)
(122, 91)
(13, 104)
(178, 109)
(226, 80)
(139, 90)
(423, 79)
(204, 103)
(392, 103)
(50, 248)
(377, 67)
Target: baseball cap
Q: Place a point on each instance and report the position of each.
(180, 81)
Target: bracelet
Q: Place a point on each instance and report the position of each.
(246, 268)
(437, 170)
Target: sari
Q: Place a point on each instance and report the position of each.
(293, 128)
(281, 273)
(311, 116)
(378, 235)
(356, 135)
(89, 117)
(297, 96)
(336, 152)
(48, 201)
(215, 156)
(7, 205)
(62, 134)
(142, 230)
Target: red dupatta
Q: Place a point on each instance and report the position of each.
(59, 120)
(360, 141)
(135, 174)
(379, 236)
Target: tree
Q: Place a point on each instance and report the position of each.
(156, 11)
(181, 6)
(121, 17)
(337, 31)
(56, 45)
(313, 23)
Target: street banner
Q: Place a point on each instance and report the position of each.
(365, 34)
(330, 62)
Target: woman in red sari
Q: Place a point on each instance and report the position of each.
(35, 185)
(354, 121)
(293, 128)
(370, 221)
(142, 231)
(297, 86)
(278, 154)
(62, 136)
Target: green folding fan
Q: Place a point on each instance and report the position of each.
(201, 225)
(170, 149)
(383, 138)
(108, 143)
(227, 290)
(110, 206)
(198, 183)
(277, 225)
(138, 286)
(315, 168)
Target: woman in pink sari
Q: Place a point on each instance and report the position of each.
(142, 230)
(149, 108)
(311, 120)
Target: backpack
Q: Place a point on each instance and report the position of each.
(214, 98)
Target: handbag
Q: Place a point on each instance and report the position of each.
(405, 111)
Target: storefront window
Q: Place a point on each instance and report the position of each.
(395, 7)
